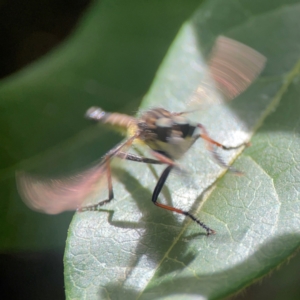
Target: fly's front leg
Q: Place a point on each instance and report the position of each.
(157, 191)
(211, 146)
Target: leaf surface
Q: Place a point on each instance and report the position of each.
(108, 61)
(132, 249)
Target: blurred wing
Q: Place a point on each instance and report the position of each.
(232, 67)
(53, 196)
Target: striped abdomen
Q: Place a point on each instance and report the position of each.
(115, 119)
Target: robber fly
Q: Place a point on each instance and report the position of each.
(169, 135)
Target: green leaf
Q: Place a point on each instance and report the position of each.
(135, 250)
(109, 61)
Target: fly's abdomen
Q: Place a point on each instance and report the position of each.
(115, 119)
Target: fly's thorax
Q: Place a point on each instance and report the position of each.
(134, 130)
(166, 132)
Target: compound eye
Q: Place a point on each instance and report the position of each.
(164, 128)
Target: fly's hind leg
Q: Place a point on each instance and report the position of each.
(211, 146)
(162, 159)
(157, 191)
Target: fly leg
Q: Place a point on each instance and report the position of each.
(116, 153)
(97, 206)
(106, 162)
(136, 158)
(157, 191)
(211, 146)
